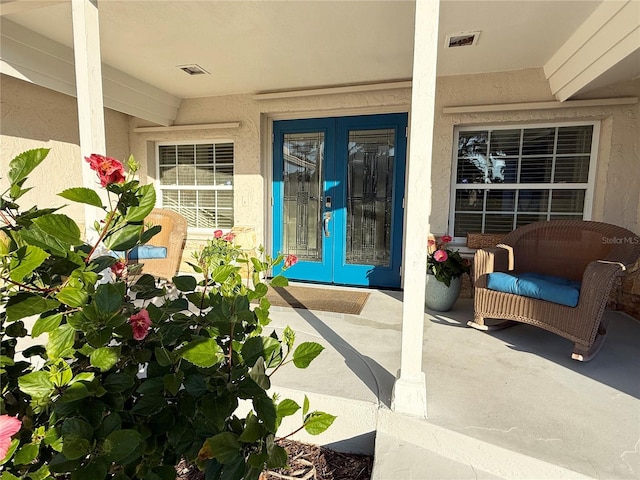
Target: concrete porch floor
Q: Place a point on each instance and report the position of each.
(507, 404)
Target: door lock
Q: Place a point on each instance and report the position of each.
(327, 202)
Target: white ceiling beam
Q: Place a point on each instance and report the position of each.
(8, 7)
(607, 38)
(31, 57)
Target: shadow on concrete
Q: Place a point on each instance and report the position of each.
(376, 378)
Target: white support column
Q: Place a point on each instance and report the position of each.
(86, 48)
(409, 391)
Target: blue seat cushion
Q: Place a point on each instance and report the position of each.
(142, 252)
(534, 285)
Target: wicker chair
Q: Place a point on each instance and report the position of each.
(173, 236)
(590, 252)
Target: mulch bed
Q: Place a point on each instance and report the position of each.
(308, 462)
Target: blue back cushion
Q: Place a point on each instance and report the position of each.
(534, 285)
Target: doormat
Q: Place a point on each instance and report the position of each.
(324, 299)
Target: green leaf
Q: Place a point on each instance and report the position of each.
(172, 382)
(221, 273)
(82, 195)
(124, 238)
(147, 202)
(277, 457)
(279, 281)
(42, 473)
(252, 430)
(120, 444)
(61, 227)
(94, 470)
(318, 422)
(150, 404)
(46, 324)
(8, 476)
(76, 437)
(163, 356)
(305, 353)
(185, 283)
(73, 296)
(105, 357)
(35, 236)
(118, 382)
(287, 407)
(224, 447)
(256, 347)
(109, 297)
(305, 406)
(22, 165)
(202, 352)
(266, 411)
(149, 233)
(61, 341)
(26, 454)
(36, 384)
(24, 261)
(258, 375)
(289, 337)
(74, 392)
(13, 446)
(26, 304)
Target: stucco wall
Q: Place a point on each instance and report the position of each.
(616, 195)
(35, 117)
(252, 162)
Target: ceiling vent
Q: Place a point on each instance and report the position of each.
(193, 69)
(462, 39)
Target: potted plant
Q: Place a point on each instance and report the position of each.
(444, 275)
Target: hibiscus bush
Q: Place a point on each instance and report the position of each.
(125, 376)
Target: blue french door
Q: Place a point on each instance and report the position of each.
(338, 187)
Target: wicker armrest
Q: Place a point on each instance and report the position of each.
(597, 280)
(488, 260)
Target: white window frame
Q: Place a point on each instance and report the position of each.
(205, 232)
(588, 186)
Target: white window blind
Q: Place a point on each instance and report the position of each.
(196, 180)
(506, 177)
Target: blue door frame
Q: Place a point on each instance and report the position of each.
(333, 266)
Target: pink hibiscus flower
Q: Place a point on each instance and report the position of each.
(290, 261)
(9, 426)
(440, 256)
(217, 233)
(140, 323)
(109, 169)
(446, 238)
(119, 268)
(229, 237)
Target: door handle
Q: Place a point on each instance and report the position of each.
(327, 217)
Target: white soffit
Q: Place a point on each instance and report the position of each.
(609, 41)
(29, 56)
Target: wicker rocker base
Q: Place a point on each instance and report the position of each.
(491, 327)
(583, 354)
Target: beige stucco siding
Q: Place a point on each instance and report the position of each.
(36, 117)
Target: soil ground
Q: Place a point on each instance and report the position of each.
(308, 462)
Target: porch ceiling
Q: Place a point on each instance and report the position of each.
(260, 46)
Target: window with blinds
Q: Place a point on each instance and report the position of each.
(196, 180)
(506, 177)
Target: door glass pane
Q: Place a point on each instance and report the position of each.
(303, 178)
(369, 196)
